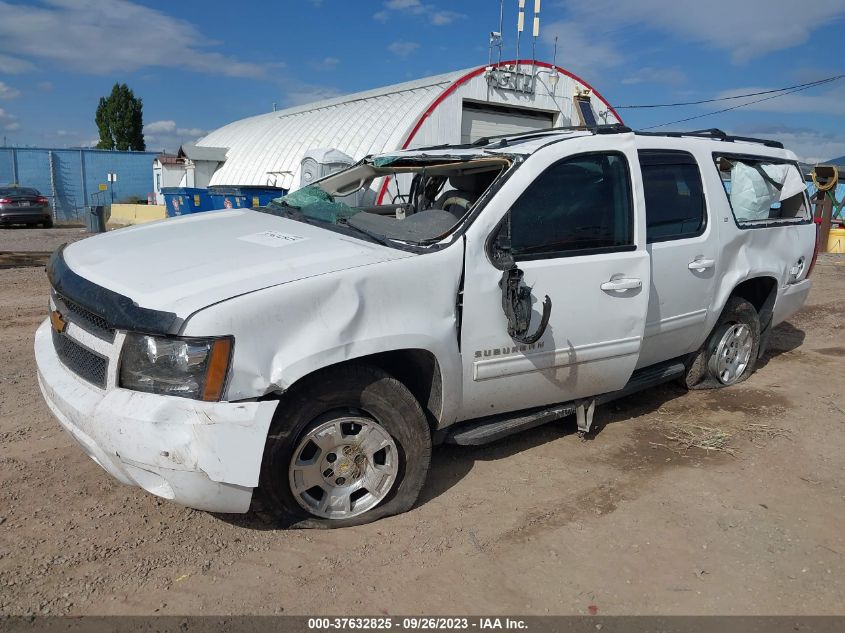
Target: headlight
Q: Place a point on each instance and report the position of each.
(187, 367)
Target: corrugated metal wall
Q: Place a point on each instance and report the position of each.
(71, 177)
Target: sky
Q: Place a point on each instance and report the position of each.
(199, 64)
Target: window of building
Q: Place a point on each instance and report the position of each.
(577, 206)
(674, 197)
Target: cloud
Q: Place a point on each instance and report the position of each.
(300, 94)
(439, 18)
(160, 127)
(14, 66)
(582, 51)
(7, 92)
(8, 121)
(434, 14)
(649, 75)
(410, 5)
(830, 102)
(90, 36)
(165, 134)
(325, 64)
(402, 49)
(810, 145)
(45, 86)
(746, 29)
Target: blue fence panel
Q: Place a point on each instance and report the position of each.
(71, 177)
(68, 197)
(134, 173)
(7, 168)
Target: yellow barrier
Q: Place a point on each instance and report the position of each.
(124, 214)
(836, 241)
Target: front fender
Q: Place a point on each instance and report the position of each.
(287, 332)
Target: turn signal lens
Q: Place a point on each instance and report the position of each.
(218, 368)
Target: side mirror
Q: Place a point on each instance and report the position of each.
(500, 251)
(516, 296)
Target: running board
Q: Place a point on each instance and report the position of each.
(645, 378)
(495, 427)
(485, 430)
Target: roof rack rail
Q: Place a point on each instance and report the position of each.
(609, 128)
(717, 134)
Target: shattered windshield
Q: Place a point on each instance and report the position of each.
(398, 198)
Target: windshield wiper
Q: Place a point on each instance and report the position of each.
(284, 210)
(373, 236)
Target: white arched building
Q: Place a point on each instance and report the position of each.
(462, 106)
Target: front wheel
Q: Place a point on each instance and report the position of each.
(729, 355)
(347, 447)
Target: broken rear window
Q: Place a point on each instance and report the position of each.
(763, 191)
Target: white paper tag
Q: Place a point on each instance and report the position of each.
(272, 238)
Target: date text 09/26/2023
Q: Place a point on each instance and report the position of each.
(415, 623)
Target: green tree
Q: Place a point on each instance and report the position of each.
(120, 120)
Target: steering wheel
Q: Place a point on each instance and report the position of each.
(455, 198)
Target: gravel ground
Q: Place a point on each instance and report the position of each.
(541, 522)
(38, 240)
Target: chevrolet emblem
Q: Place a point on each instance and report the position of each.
(58, 323)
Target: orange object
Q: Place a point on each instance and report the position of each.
(218, 368)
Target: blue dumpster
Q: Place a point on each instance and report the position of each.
(185, 200)
(223, 197)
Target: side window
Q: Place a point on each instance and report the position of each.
(763, 191)
(578, 205)
(674, 197)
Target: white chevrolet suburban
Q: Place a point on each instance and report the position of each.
(303, 358)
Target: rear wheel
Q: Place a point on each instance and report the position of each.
(347, 447)
(729, 355)
(48, 224)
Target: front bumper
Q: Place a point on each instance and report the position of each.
(205, 455)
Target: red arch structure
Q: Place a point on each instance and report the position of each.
(475, 73)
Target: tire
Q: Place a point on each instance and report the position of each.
(730, 353)
(48, 224)
(335, 408)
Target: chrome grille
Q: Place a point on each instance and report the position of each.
(83, 317)
(80, 360)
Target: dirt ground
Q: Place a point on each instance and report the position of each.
(538, 523)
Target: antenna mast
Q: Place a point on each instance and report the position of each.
(501, 26)
(520, 24)
(496, 40)
(535, 33)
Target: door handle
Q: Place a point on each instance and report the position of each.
(623, 283)
(701, 263)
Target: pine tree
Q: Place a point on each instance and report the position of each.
(120, 120)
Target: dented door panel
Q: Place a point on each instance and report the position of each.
(595, 328)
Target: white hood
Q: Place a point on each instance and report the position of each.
(185, 264)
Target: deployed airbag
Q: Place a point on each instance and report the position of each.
(755, 188)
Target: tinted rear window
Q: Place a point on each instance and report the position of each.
(18, 191)
(674, 197)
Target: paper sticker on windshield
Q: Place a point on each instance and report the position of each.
(272, 238)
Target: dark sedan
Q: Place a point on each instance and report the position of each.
(24, 205)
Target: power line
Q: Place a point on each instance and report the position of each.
(810, 84)
(741, 105)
